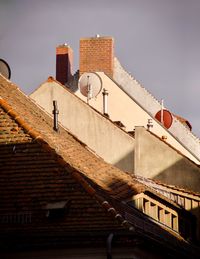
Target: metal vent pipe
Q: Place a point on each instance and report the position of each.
(55, 115)
(105, 102)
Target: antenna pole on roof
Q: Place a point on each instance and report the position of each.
(89, 90)
(55, 115)
(162, 107)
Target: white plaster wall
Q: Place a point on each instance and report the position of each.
(134, 88)
(156, 160)
(152, 105)
(122, 107)
(107, 140)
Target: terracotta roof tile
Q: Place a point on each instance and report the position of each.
(40, 173)
(67, 148)
(183, 121)
(64, 148)
(39, 125)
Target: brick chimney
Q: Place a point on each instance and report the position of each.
(64, 59)
(97, 54)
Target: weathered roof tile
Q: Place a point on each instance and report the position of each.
(39, 165)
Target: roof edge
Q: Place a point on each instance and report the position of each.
(76, 175)
(10, 111)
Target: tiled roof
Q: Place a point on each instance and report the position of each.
(34, 179)
(39, 125)
(121, 189)
(25, 128)
(183, 121)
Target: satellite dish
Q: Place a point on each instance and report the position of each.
(5, 69)
(90, 85)
(167, 118)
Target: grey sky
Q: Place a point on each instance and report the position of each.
(157, 41)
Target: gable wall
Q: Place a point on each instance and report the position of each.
(148, 102)
(121, 107)
(98, 133)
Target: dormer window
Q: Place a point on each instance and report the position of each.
(57, 210)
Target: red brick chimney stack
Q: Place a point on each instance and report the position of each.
(97, 54)
(64, 59)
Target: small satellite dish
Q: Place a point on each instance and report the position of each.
(167, 118)
(90, 85)
(5, 69)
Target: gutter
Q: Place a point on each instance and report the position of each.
(109, 246)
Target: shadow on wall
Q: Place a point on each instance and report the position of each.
(126, 163)
(72, 84)
(183, 173)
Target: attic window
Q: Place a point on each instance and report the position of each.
(57, 210)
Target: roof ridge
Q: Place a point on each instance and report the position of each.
(49, 79)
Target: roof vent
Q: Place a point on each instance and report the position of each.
(150, 124)
(105, 102)
(55, 115)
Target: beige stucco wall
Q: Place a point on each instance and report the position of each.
(123, 108)
(132, 87)
(97, 132)
(155, 159)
